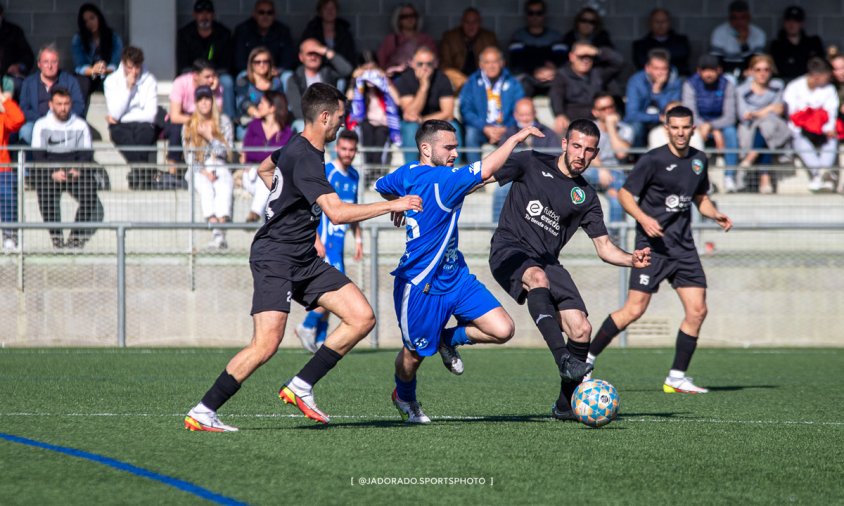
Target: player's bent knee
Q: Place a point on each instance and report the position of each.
(697, 314)
(536, 278)
(504, 331)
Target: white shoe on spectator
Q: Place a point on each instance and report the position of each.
(10, 245)
(730, 184)
(815, 184)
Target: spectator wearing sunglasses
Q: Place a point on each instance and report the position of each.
(319, 65)
(397, 48)
(264, 30)
(536, 51)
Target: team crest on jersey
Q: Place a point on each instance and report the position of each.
(315, 209)
(697, 166)
(578, 196)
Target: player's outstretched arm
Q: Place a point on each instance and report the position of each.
(495, 160)
(707, 208)
(628, 202)
(340, 212)
(612, 254)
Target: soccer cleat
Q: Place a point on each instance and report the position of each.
(451, 358)
(573, 369)
(567, 415)
(411, 412)
(682, 385)
(307, 335)
(305, 403)
(206, 421)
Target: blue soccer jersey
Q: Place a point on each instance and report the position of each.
(333, 236)
(431, 260)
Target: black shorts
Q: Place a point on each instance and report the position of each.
(276, 283)
(509, 263)
(679, 271)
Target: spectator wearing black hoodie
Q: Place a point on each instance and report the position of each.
(792, 48)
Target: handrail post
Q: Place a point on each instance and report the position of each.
(20, 190)
(373, 282)
(121, 286)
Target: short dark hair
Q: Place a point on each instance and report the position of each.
(585, 126)
(817, 65)
(60, 91)
(601, 95)
(430, 128)
(659, 53)
(201, 64)
(738, 6)
(679, 111)
(318, 98)
(470, 10)
(349, 135)
(133, 55)
(529, 3)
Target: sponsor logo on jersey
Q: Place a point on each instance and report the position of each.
(671, 167)
(578, 196)
(644, 279)
(546, 174)
(697, 166)
(534, 208)
(315, 209)
(672, 201)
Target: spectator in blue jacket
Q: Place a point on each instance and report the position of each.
(35, 91)
(648, 92)
(487, 101)
(96, 50)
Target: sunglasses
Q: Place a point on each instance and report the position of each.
(588, 21)
(605, 108)
(584, 57)
(260, 62)
(265, 13)
(407, 16)
(536, 13)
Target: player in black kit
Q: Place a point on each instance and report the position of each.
(666, 181)
(548, 201)
(285, 266)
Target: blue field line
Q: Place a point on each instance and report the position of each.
(129, 468)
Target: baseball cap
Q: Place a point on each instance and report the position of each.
(203, 92)
(203, 6)
(708, 61)
(795, 13)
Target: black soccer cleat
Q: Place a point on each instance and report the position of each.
(451, 358)
(572, 369)
(565, 416)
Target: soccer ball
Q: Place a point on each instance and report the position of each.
(595, 403)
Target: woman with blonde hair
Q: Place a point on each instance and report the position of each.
(207, 139)
(259, 77)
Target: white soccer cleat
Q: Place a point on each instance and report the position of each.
(411, 412)
(307, 335)
(682, 385)
(206, 421)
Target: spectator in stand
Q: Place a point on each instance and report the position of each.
(658, 136)
(96, 50)
(319, 65)
(16, 57)
(736, 40)
(661, 36)
(131, 95)
(399, 47)
(374, 113)
(269, 131)
(578, 82)
(462, 46)
(589, 28)
(836, 61)
(487, 101)
(62, 136)
(648, 92)
(206, 38)
(613, 146)
(35, 91)
(536, 51)
(792, 48)
(812, 105)
(712, 99)
(525, 115)
(331, 31)
(207, 140)
(11, 120)
(424, 93)
(761, 123)
(252, 83)
(263, 29)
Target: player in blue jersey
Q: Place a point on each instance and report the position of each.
(433, 282)
(331, 238)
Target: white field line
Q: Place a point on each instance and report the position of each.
(227, 350)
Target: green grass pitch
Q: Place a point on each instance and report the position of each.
(770, 432)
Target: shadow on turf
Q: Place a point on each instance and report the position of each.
(399, 423)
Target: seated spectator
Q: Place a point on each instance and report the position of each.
(16, 57)
(648, 92)
(269, 131)
(761, 125)
(62, 136)
(399, 47)
(736, 40)
(331, 31)
(661, 36)
(836, 61)
(616, 139)
(207, 140)
(812, 105)
(487, 101)
(206, 38)
(525, 116)
(264, 30)
(424, 93)
(589, 28)
(792, 48)
(658, 136)
(35, 91)
(712, 99)
(576, 83)
(96, 50)
(251, 85)
(131, 95)
(11, 120)
(374, 113)
(319, 65)
(461, 47)
(536, 51)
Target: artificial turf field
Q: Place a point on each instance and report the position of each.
(770, 432)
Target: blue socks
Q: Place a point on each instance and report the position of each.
(455, 336)
(406, 390)
(312, 319)
(321, 332)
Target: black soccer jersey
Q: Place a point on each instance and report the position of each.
(292, 212)
(666, 186)
(545, 207)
